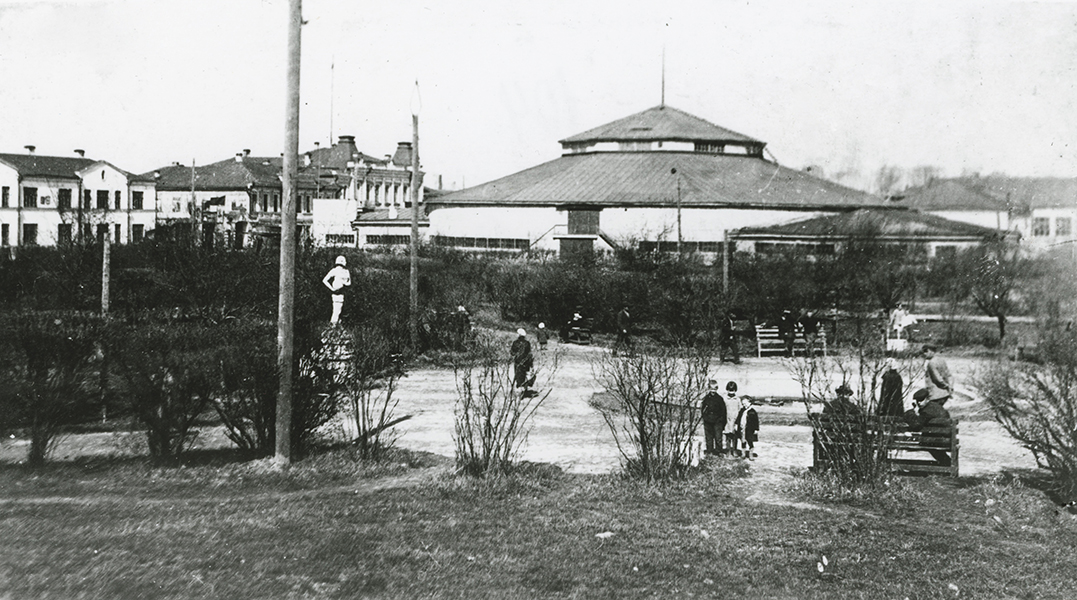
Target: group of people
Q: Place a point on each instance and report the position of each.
(928, 410)
(788, 326)
(735, 437)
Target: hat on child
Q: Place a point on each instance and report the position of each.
(340, 261)
(520, 332)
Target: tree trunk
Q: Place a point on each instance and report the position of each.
(1001, 328)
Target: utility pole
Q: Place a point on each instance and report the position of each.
(194, 205)
(680, 237)
(286, 306)
(725, 263)
(106, 263)
(415, 183)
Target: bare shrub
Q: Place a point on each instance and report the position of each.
(650, 405)
(493, 417)
(849, 436)
(372, 368)
(165, 373)
(47, 364)
(1037, 405)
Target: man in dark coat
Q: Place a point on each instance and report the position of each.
(728, 339)
(809, 324)
(891, 398)
(522, 359)
(787, 331)
(747, 427)
(714, 418)
(930, 413)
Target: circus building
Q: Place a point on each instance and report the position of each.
(659, 179)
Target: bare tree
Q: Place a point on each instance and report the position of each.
(493, 416)
(994, 273)
(1037, 405)
(888, 179)
(651, 407)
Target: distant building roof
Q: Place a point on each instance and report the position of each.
(883, 224)
(660, 123)
(381, 215)
(1024, 193)
(66, 167)
(623, 179)
(950, 194)
(227, 174)
(994, 193)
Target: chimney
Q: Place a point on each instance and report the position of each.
(348, 140)
(402, 156)
(30, 148)
(239, 157)
(246, 152)
(80, 152)
(317, 145)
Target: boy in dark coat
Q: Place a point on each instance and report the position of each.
(714, 418)
(747, 428)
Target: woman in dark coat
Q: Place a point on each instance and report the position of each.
(891, 398)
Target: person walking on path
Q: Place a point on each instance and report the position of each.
(937, 378)
(891, 396)
(624, 326)
(728, 340)
(338, 279)
(787, 331)
(522, 359)
(714, 418)
(542, 336)
(747, 428)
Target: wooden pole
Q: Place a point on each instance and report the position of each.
(286, 306)
(106, 261)
(725, 263)
(414, 279)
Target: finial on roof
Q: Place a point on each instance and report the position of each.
(663, 104)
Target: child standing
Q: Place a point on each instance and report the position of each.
(747, 428)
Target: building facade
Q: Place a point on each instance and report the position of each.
(55, 200)
(661, 178)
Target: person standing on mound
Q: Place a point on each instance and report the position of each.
(747, 428)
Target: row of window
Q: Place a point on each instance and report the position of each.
(30, 199)
(490, 243)
(679, 247)
(1041, 226)
(64, 233)
(388, 240)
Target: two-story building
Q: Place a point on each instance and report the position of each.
(50, 200)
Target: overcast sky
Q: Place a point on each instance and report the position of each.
(985, 87)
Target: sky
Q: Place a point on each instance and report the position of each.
(848, 86)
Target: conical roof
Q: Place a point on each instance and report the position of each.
(661, 123)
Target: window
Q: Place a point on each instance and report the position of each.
(136, 200)
(116, 238)
(102, 199)
(5, 197)
(29, 234)
(118, 196)
(583, 222)
(710, 147)
(1041, 227)
(87, 199)
(63, 234)
(63, 200)
(102, 231)
(339, 239)
(276, 202)
(947, 252)
(138, 232)
(5, 234)
(176, 207)
(1063, 227)
(265, 202)
(492, 243)
(29, 197)
(87, 230)
(388, 240)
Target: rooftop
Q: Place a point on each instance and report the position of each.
(887, 224)
(661, 123)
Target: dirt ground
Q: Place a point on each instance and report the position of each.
(569, 433)
(572, 435)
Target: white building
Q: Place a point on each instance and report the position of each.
(50, 200)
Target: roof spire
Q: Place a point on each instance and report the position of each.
(663, 104)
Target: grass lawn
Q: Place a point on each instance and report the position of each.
(329, 528)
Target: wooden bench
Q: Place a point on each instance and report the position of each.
(914, 452)
(768, 341)
(579, 332)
